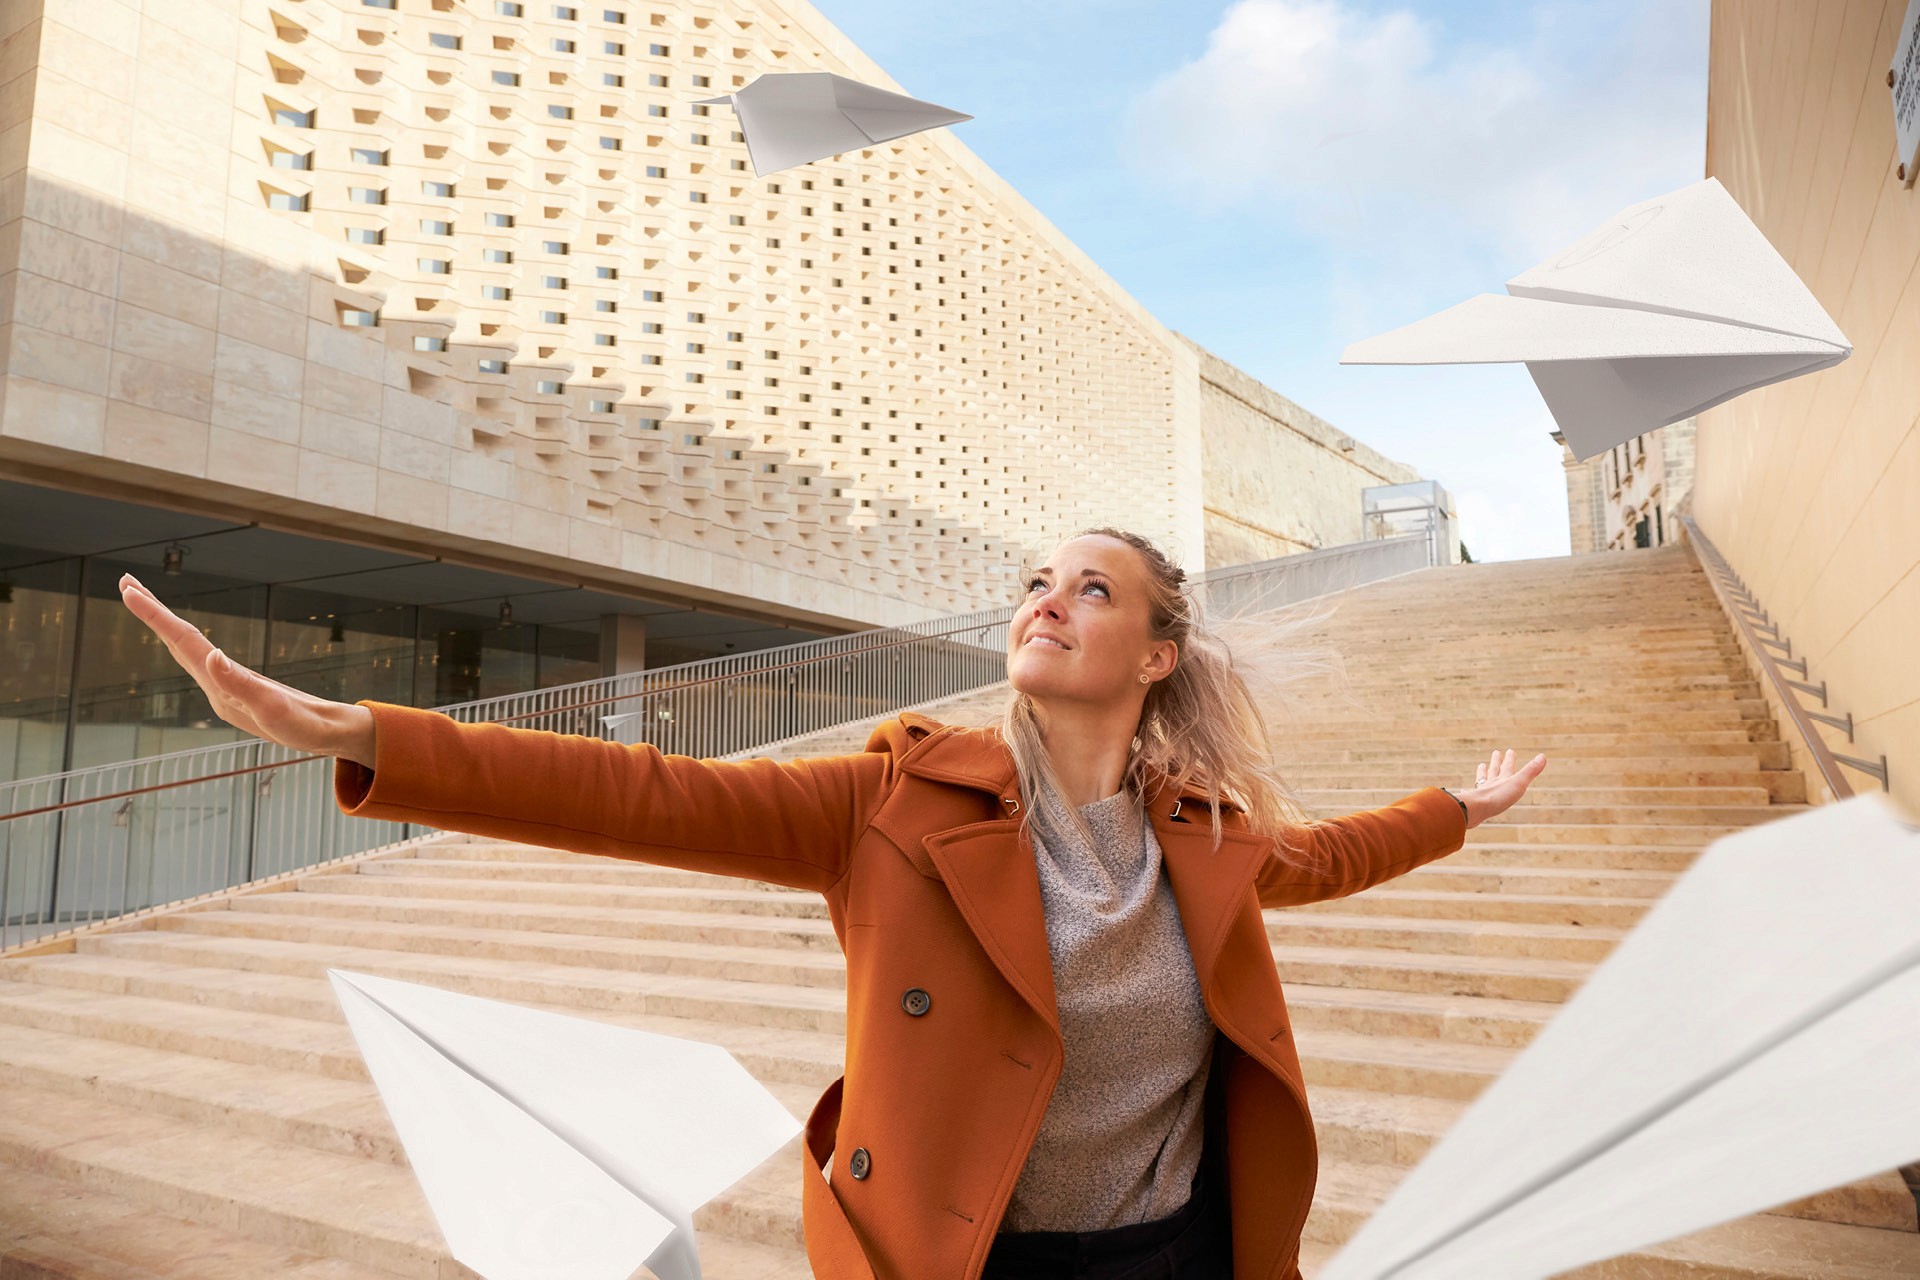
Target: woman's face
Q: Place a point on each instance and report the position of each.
(1090, 599)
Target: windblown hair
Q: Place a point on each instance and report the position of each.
(1202, 725)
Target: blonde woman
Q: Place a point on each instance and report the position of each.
(1068, 1054)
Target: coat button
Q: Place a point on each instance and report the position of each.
(916, 1001)
(860, 1164)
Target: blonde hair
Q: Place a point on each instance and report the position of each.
(1201, 725)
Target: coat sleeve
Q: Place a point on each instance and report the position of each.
(1347, 854)
(792, 823)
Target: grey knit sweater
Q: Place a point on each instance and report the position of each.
(1121, 1137)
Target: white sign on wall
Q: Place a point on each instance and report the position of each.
(1903, 78)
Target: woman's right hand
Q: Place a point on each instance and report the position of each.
(250, 701)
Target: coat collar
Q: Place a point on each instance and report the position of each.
(999, 893)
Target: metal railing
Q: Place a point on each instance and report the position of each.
(93, 844)
(1751, 620)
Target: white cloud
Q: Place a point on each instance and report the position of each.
(1423, 167)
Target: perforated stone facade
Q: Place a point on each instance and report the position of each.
(479, 278)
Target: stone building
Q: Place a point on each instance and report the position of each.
(1628, 496)
(1808, 487)
(441, 350)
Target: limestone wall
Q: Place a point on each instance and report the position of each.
(1279, 479)
(1811, 488)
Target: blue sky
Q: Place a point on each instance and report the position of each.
(1278, 178)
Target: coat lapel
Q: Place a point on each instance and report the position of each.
(990, 871)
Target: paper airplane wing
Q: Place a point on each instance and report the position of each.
(1690, 252)
(791, 118)
(884, 116)
(675, 1122)
(513, 1201)
(1692, 1079)
(1671, 307)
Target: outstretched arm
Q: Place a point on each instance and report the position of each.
(1360, 850)
(792, 823)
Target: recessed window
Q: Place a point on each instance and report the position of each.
(612, 15)
(696, 317)
(553, 282)
(493, 366)
(649, 424)
(367, 195)
(647, 357)
(700, 140)
(435, 227)
(651, 326)
(610, 144)
(366, 155)
(509, 78)
(657, 50)
(698, 197)
(359, 319)
(436, 266)
(613, 79)
(423, 343)
(291, 159)
(548, 387)
(443, 40)
(700, 82)
(656, 171)
(430, 188)
(496, 292)
(499, 219)
(605, 304)
(293, 119)
(773, 242)
(736, 220)
(558, 112)
(652, 295)
(379, 4)
(287, 200)
(657, 111)
(606, 273)
(739, 164)
(508, 8)
(496, 255)
(366, 235)
(697, 348)
(563, 46)
(553, 246)
(603, 340)
(565, 12)
(657, 81)
(614, 47)
(699, 109)
(696, 377)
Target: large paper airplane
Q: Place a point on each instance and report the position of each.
(793, 117)
(1750, 1043)
(1673, 306)
(557, 1148)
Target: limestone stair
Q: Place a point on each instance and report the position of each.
(182, 1098)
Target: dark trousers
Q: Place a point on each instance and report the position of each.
(1193, 1243)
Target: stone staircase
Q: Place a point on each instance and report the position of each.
(182, 1098)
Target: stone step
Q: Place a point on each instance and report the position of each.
(1729, 753)
(1369, 794)
(1510, 908)
(1450, 875)
(293, 1023)
(1418, 1015)
(52, 1229)
(1778, 785)
(1570, 855)
(367, 1212)
(1379, 969)
(638, 954)
(1333, 927)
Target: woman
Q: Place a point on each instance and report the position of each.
(1068, 1054)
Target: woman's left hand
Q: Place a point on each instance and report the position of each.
(1498, 786)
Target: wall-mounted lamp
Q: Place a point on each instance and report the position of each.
(171, 558)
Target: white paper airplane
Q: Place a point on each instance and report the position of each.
(1673, 306)
(793, 117)
(558, 1148)
(1750, 1043)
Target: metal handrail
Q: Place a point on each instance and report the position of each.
(102, 842)
(1750, 619)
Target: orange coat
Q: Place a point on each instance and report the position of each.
(912, 842)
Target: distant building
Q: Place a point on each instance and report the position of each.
(1628, 496)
